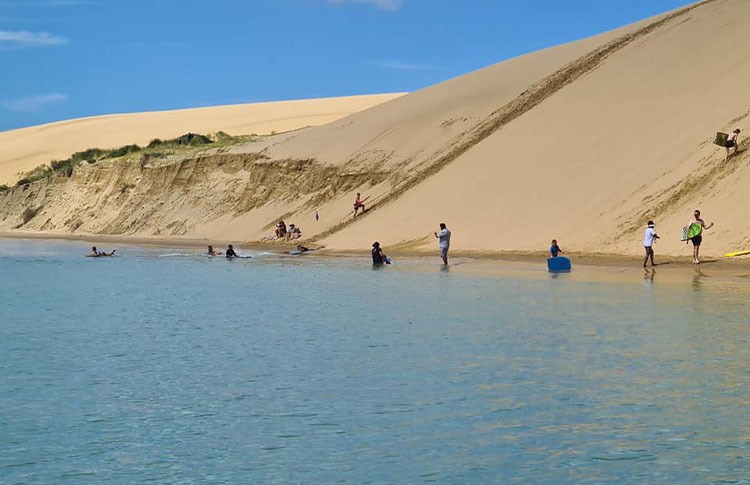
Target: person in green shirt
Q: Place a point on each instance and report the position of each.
(697, 225)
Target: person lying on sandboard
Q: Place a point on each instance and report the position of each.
(98, 254)
(302, 250)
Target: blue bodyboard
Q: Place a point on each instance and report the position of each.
(560, 264)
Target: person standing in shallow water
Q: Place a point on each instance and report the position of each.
(698, 238)
(445, 242)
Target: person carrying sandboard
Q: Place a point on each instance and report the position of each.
(728, 141)
(693, 232)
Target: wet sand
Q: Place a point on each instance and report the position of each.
(598, 267)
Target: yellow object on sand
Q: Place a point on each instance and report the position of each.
(740, 253)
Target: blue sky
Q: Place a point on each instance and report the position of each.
(63, 59)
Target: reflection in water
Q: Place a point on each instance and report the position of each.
(697, 277)
(648, 276)
(320, 370)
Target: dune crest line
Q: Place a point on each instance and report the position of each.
(533, 96)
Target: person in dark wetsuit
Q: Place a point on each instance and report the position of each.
(230, 252)
(303, 249)
(378, 256)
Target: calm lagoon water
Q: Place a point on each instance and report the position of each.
(161, 366)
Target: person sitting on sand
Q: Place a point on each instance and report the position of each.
(732, 142)
(378, 256)
(212, 252)
(648, 242)
(360, 203)
(281, 230)
(97, 254)
(230, 252)
(554, 249)
(294, 232)
(698, 238)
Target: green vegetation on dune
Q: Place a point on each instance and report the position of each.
(157, 148)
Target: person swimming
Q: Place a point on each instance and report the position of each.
(212, 252)
(98, 254)
(302, 250)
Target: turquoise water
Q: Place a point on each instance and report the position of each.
(159, 366)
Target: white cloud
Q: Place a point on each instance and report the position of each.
(403, 66)
(23, 38)
(381, 4)
(34, 104)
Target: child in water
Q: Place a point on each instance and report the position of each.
(554, 249)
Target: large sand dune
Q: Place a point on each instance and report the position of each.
(584, 143)
(26, 148)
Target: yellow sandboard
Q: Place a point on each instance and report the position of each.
(740, 253)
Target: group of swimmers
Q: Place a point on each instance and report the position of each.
(230, 253)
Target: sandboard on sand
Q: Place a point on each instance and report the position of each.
(689, 232)
(721, 139)
(739, 253)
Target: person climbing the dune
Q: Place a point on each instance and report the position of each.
(360, 203)
(696, 227)
(732, 142)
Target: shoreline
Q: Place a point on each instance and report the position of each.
(485, 261)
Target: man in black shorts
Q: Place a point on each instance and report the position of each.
(732, 142)
(697, 239)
